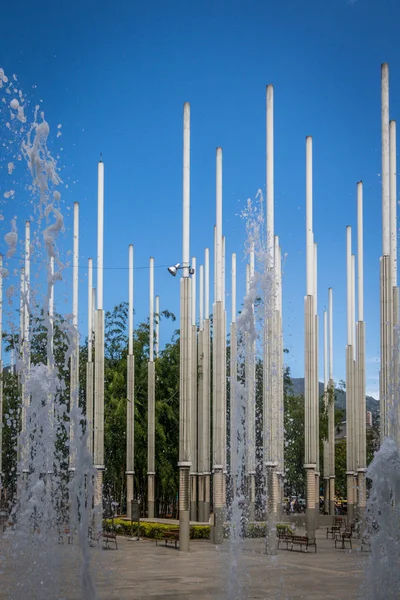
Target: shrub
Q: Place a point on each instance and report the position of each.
(154, 530)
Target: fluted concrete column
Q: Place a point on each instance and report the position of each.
(206, 420)
(99, 418)
(350, 432)
(310, 415)
(362, 455)
(194, 439)
(185, 391)
(396, 364)
(151, 420)
(218, 424)
(130, 433)
(200, 415)
(386, 346)
(233, 401)
(331, 440)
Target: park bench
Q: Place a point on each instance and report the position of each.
(343, 538)
(171, 536)
(109, 537)
(286, 538)
(303, 540)
(333, 530)
(64, 532)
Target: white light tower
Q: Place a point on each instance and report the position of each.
(157, 342)
(1, 368)
(251, 399)
(185, 389)
(130, 407)
(26, 353)
(386, 320)
(99, 359)
(206, 390)
(326, 400)
(89, 364)
(234, 416)
(350, 467)
(360, 362)
(331, 410)
(74, 363)
(151, 406)
(193, 417)
(200, 398)
(395, 289)
(310, 393)
(270, 403)
(219, 429)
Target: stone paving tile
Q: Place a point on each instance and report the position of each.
(143, 570)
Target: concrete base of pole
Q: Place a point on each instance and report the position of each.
(200, 479)
(184, 501)
(326, 496)
(89, 406)
(350, 501)
(207, 497)
(310, 510)
(193, 498)
(271, 516)
(252, 497)
(317, 494)
(150, 495)
(219, 512)
(129, 494)
(331, 496)
(98, 500)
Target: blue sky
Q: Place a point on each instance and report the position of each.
(116, 77)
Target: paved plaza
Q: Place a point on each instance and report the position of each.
(146, 570)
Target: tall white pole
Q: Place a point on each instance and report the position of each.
(251, 406)
(393, 202)
(74, 385)
(194, 404)
(151, 403)
(270, 171)
(27, 285)
(26, 343)
(360, 364)
(90, 309)
(386, 272)
(157, 344)
(89, 365)
(349, 286)
(99, 358)
(185, 390)
(51, 310)
(331, 410)
(201, 297)
(309, 220)
(360, 251)
(350, 424)
(326, 399)
(1, 367)
(385, 160)
(219, 429)
(205, 512)
(234, 416)
(130, 407)
(218, 227)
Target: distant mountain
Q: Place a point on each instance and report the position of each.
(298, 390)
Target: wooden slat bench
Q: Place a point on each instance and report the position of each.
(343, 538)
(333, 530)
(109, 537)
(171, 536)
(302, 540)
(286, 538)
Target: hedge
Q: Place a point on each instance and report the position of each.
(154, 530)
(197, 532)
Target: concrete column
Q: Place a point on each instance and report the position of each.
(99, 360)
(233, 383)
(350, 431)
(331, 409)
(396, 363)
(250, 391)
(200, 411)
(151, 404)
(89, 364)
(130, 394)
(99, 418)
(218, 425)
(206, 420)
(362, 464)
(185, 391)
(386, 313)
(310, 415)
(74, 362)
(1, 367)
(193, 418)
